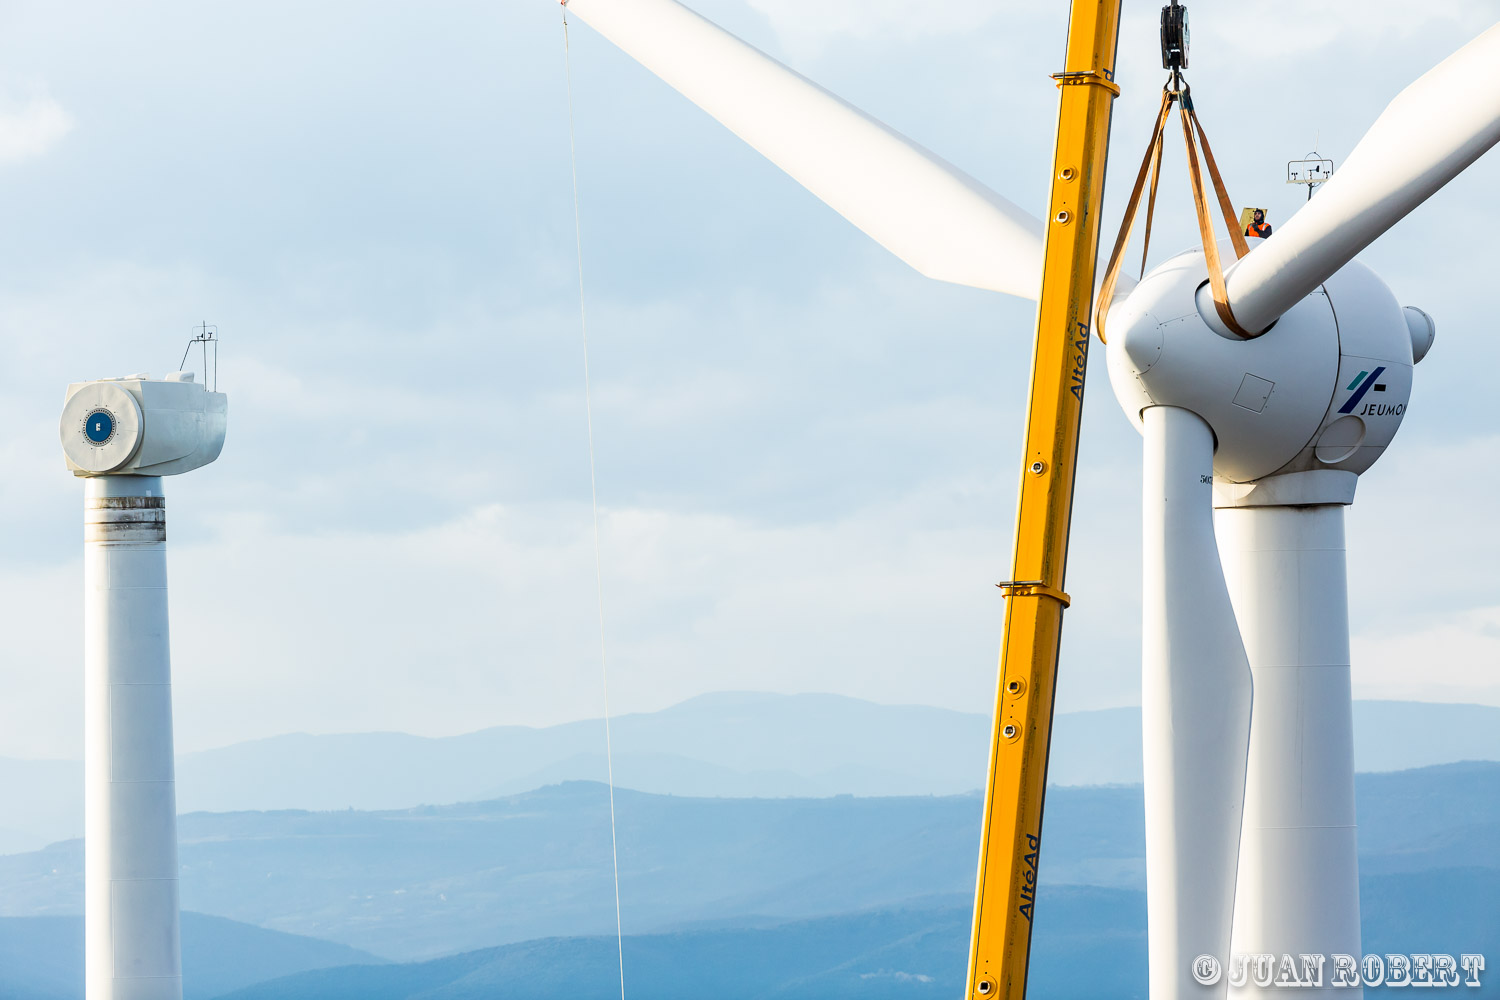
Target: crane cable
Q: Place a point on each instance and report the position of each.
(588, 407)
(1151, 167)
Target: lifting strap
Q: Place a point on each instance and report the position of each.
(1112, 271)
(1205, 224)
(1151, 201)
(1151, 169)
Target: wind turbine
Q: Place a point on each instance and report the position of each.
(121, 436)
(1245, 675)
(1246, 682)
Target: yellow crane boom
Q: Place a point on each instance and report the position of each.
(1005, 894)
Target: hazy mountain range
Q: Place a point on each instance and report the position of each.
(1088, 942)
(431, 881)
(727, 745)
(41, 958)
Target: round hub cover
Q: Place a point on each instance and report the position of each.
(101, 427)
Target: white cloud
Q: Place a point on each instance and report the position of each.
(806, 453)
(807, 26)
(1453, 657)
(1269, 26)
(490, 618)
(30, 128)
(868, 19)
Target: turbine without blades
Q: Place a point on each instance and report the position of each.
(121, 436)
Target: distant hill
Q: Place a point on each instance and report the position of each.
(41, 958)
(1088, 942)
(725, 745)
(437, 879)
(46, 802)
(911, 952)
(420, 883)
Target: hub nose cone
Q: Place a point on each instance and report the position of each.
(1423, 331)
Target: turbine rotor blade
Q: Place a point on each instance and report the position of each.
(1426, 137)
(923, 209)
(1195, 712)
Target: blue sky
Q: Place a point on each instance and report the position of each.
(806, 451)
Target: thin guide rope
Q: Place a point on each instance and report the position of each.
(588, 408)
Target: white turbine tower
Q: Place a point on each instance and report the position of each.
(1245, 684)
(122, 436)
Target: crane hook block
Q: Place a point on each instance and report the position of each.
(1174, 37)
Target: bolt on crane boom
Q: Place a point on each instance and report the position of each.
(1005, 893)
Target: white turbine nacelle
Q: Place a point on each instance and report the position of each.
(1298, 412)
(139, 426)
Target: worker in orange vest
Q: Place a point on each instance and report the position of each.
(1260, 227)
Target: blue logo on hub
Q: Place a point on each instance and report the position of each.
(1362, 384)
(99, 427)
